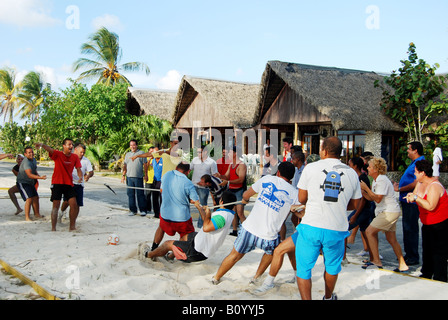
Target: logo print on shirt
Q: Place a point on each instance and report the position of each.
(274, 198)
(332, 186)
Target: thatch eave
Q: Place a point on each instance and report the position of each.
(235, 102)
(347, 97)
(159, 103)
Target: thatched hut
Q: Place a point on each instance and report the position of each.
(309, 103)
(203, 105)
(145, 101)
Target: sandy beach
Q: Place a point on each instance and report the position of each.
(82, 266)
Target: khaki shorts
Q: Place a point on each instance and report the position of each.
(386, 221)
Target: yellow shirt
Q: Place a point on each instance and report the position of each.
(150, 172)
(169, 162)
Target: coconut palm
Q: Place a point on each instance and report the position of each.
(33, 95)
(104, 48)
(9, 93)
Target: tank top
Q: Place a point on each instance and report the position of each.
(439, 214)
(234, 176)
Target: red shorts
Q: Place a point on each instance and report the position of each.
(182, 228)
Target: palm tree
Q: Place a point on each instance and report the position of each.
(9, 93)
(104, 48)
(33, 95)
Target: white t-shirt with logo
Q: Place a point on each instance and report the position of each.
(383, 186)
(330, 185)
(274, 201)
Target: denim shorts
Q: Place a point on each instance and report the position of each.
(238, 193)
(310, 241)
(247, 242)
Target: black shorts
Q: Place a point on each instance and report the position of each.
(187, 247)
(59, 190)
(27, 190)
(79, 191)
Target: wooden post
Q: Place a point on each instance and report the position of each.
(296, 133)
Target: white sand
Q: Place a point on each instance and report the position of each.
(54, 259)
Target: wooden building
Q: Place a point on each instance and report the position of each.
(206, 107)
(310, 103)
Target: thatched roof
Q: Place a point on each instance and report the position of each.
(347, 97)
(158, 103)
(227, 104)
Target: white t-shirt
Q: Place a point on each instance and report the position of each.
(383, 186)
(274, 201)
(200, 168)
(86, 166)
(437, 156)
(330, 185)
(208, 243)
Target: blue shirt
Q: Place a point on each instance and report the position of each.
(177, 190)
(297, 175)
(408, 178)
(158, 167)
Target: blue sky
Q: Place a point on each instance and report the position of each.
(229, 40)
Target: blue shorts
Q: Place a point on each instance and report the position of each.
(246, 242)
(312, 240)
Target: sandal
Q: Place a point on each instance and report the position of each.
(365, 261)
(401, 271)
(370, 265)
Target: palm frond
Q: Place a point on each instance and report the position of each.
(91, 73)
(105, 51)
(82, 63)
(135, 66)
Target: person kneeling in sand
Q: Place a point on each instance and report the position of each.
(199, 245)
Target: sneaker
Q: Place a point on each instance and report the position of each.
(333, 297)
(292, 280)
(143, 214)
(362, 253)
(131, 214)
(254, 281)
(168, 257)
(61, 215)
(215, 282)
(263, 289)
(142, 251)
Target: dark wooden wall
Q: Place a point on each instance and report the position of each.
(290, 107)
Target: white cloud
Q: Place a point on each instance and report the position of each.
(24, 51)
(49, 75)
(27, 13)
(170, 81)
(56, 77)
(109, 21)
